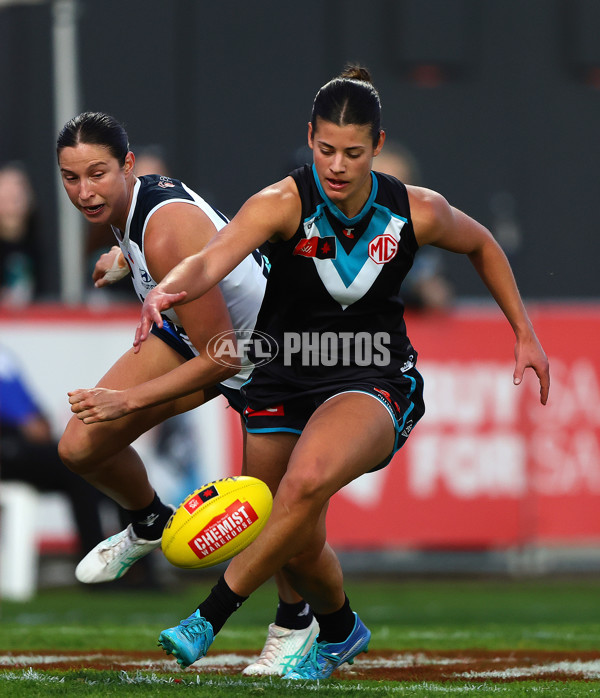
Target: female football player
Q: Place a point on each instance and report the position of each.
(343, 393)
(157, 221)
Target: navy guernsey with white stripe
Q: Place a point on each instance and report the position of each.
(242, 289)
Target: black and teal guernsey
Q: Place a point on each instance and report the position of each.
(332, 303)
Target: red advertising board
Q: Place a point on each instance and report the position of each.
(488, 465)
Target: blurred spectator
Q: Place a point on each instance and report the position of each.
(150, 159)
(18, 220)
(425, 287)
(28, 453)
(397, 160)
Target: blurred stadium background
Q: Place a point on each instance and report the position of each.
(498, 100)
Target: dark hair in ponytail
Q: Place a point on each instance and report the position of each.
(349, 98)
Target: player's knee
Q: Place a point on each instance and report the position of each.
(305, 486)
(75, 452)
(67, 452)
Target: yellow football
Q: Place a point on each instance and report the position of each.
(216, 521)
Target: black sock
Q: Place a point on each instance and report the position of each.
(148, 523)
(337, 626)
(220, 604)
(294, 616)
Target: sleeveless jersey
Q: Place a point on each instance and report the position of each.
(242, 289)
(332, 302)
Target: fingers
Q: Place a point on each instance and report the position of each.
(543, 374)
(84, 414)
(83, 407)
(178, 297)
(137, 340)
(100, 270)
(78, 407)
(75, 398)
(143, 330)
(88, 418)
(154, 304)
(90, 414)
(518, 375)
(109, 268)
(544, 378)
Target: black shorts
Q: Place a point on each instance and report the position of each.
(176, 338)
(234, 397)
(403, 399)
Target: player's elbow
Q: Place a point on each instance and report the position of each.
(227, 370)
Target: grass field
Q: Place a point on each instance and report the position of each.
(430, 637)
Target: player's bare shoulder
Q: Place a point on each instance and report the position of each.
(429, 212)
(280, 205)
(174, 232)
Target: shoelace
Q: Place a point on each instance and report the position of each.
(113, 544)
(190, 627)
(116, 540)
(269, 650)
(312, 658)
(287, 662)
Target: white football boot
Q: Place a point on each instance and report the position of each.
(113, 557)
(283, 650)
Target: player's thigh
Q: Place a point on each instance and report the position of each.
(345, 437)
(266, 456)
(154, 359)
(103, 439)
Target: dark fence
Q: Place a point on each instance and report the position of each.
(499, 100)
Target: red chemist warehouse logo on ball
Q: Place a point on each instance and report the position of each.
(383, 248)
(223, 528)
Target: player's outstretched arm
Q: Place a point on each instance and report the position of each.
(272, 213)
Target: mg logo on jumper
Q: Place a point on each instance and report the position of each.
(383, 248)
(232, 347)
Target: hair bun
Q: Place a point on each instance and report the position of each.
(356, 72)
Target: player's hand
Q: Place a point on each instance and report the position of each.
(110, 267)
(529, 354)
(155, 303)
(98, 404)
